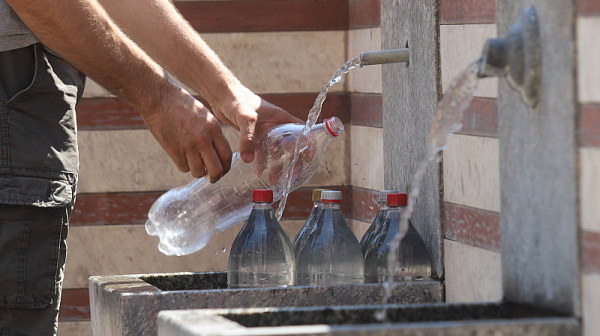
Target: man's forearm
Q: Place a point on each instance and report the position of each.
(81, 33)
(169, 39)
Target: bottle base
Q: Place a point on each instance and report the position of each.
(259, 280)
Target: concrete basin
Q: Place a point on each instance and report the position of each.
(415, 320)
(129, 304)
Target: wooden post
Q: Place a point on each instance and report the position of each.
(410, 95)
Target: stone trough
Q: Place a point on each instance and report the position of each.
(129, 304)
(414, 320)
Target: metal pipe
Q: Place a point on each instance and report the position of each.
(384, 57)
(493, 63)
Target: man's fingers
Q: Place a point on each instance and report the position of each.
(196, 164)
(247, 145)
(223, 151)
(213, 165)
(180, 161)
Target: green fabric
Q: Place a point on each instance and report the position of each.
(38, 133)
(32, 260)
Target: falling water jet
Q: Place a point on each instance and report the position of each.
(365, 58)
(447, 120)
(313, 115)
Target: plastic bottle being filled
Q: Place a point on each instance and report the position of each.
(312, 219)
(261, 254)
(375, 227)
(414, 258)
(330, 254)
(187, 217)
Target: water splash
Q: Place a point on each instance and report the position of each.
(313, 115)
(447, 120)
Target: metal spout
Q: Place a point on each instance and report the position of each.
(384, 57)
(517, 57)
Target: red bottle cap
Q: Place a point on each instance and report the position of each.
(334, 125)
(397, 199)
(262, 195)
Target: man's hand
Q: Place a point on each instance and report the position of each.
(191, 135)
(251, 116)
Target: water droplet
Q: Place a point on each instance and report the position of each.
(380, 315)
(216, 252)
(371, 206)
(224, 249)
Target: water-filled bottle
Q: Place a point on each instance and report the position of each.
(330, 254)
(312, 219)
(187, 217)
(261, 254)
(375, 227)
(413, 257)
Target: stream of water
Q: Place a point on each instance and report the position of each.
(313, 115)
(447, 120)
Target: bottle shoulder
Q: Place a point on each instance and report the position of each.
(331, 226)
(261, 221)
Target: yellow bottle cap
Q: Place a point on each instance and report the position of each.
(316, 195)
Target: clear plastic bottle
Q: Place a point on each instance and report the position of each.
(312, 218)
(330, 254)
(187, 217)
(414, 258)
(261, 254)
(375, 227)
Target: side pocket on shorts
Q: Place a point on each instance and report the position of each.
(30, 247)
(35, 80)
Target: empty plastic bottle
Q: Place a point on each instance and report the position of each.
(413, 258)
(375, 227)
(312, 219)
(330, 254)
(261, 254)
(186, 218)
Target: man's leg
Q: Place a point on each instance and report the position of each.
(32, 260)
(32, 239)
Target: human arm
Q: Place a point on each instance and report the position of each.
(168, 38)
(81, 32)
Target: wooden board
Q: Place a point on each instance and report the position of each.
(410, 95)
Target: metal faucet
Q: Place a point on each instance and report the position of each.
(517, 57)
(384, 57)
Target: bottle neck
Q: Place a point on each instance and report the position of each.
(263, 206)
(395, 211)
(331, 206)
(321, 132)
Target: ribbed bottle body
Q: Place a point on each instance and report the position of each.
(331, 254)
(261, 254)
